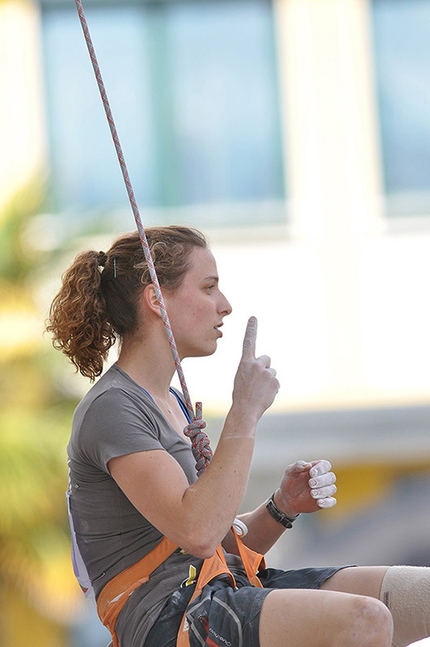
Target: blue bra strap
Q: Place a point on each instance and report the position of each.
(181, 404)
(179, 399)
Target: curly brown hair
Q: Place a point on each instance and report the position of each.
(97, 301)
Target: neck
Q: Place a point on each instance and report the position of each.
(150, 365)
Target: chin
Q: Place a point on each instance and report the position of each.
(200, 352)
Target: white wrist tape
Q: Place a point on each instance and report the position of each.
(240, 527)
(405, 591)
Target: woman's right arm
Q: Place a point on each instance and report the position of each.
(198, 516)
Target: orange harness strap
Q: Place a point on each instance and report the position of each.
(216, 565)
(116, 592)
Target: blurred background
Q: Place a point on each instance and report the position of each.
(296, 135)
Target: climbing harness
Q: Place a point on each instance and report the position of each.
(200, 441)
(118, 590)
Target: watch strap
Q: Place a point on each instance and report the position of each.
(279, 516)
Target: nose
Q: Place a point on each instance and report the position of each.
(224, 307)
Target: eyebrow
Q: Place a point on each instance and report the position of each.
(212, 278)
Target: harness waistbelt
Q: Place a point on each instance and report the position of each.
(118, 590)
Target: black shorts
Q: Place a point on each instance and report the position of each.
(225, 617)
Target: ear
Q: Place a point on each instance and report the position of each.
(150, 300)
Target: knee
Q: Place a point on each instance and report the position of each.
(371, 623)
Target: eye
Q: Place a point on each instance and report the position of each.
(209, 288)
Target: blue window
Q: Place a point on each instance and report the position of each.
(192, 87)
(402, 55)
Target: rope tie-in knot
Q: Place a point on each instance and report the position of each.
(200, 442)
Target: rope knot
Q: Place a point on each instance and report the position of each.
(199, 440)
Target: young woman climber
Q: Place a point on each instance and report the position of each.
(147, 528)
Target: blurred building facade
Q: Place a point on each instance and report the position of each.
(296, 134)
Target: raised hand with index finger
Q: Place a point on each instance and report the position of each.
(255, 384)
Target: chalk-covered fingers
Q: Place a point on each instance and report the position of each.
(250, 343)
(265, 362)
(250, 339)
(319, 467)
(249, 346)
(255, 385)
(322, 484)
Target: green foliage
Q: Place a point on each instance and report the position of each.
(15, 262)
(34, 421)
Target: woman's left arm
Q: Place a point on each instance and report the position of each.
(305, 487)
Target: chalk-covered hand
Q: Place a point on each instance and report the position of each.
(255, 384)
(306, 487)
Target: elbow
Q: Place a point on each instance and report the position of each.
(200, 550)
(200, 545)
(205, 552)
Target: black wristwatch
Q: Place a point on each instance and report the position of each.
(279, 516)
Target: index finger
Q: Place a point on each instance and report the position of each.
(319, 468)
(250, 339)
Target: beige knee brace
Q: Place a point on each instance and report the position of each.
(405, 591)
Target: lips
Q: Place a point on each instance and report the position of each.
(217, 328)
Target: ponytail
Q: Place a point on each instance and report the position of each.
(78, 319)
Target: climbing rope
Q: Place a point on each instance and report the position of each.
(194, 430)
